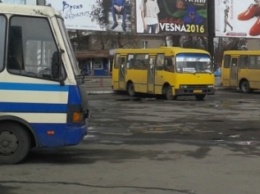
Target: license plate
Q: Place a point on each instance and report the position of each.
(197, 91)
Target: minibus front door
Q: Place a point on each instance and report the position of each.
(122, 71)
(151, 75)
(233, 73)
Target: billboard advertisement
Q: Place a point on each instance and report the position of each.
(237, 18)
(79, 14)
(184, 17)
(179, 17)
(117, 15)
(96, 15)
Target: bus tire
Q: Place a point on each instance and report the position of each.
(131, 89)
(245, 87)
(200, 97)
(14, 143)
(168, 93)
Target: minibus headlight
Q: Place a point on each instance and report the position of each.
(210, 86)
(183, 86)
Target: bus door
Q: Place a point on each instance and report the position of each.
(122, 72)
(159, 73)
(151, 75)
(234, 72)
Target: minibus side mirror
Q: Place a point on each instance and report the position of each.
(56, 66)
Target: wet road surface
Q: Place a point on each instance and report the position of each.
(146, 145)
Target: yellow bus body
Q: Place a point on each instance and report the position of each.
(241, 70)
(155, 79)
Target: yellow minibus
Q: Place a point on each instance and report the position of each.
(167, 71)
(241, 70)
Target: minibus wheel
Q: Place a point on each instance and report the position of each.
(131, 89)
(168, 93)
(245, 87)
(14, 143)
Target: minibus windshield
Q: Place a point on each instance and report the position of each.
(193, 63)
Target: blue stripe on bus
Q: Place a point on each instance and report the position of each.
(33, 107)
(33, 87)
(74, 95)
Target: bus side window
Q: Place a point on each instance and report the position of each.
(160, 62)
(15, 50)
(129, 64)
(168, 64)
(117, 61)
(146, 63)
(252, 62)
(227, 60)
(243, 61)
(122, 62)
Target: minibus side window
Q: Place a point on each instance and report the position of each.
(160, 62)
(243, 62)
(227, 60)
(169, 64)
(117, 61)
(252, 62)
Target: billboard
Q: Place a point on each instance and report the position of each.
(180, 17)
(79, 14)
(96, 15)
(184, 17)
(237, 18)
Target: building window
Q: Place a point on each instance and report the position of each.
(98, 64)
(144, 43)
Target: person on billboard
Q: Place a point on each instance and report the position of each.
(226, 12)
(118, 8)
(149, 13)
(192, 16)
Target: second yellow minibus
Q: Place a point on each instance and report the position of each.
(241, 70)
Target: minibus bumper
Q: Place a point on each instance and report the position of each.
(195, 91)
(74, 135)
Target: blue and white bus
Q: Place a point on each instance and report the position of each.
(42, 97)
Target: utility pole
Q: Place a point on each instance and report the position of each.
(211, 26)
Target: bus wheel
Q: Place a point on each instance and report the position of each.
(200, 97)
(14, 143)
(244, 86)
(168, 93)
(131, 89)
